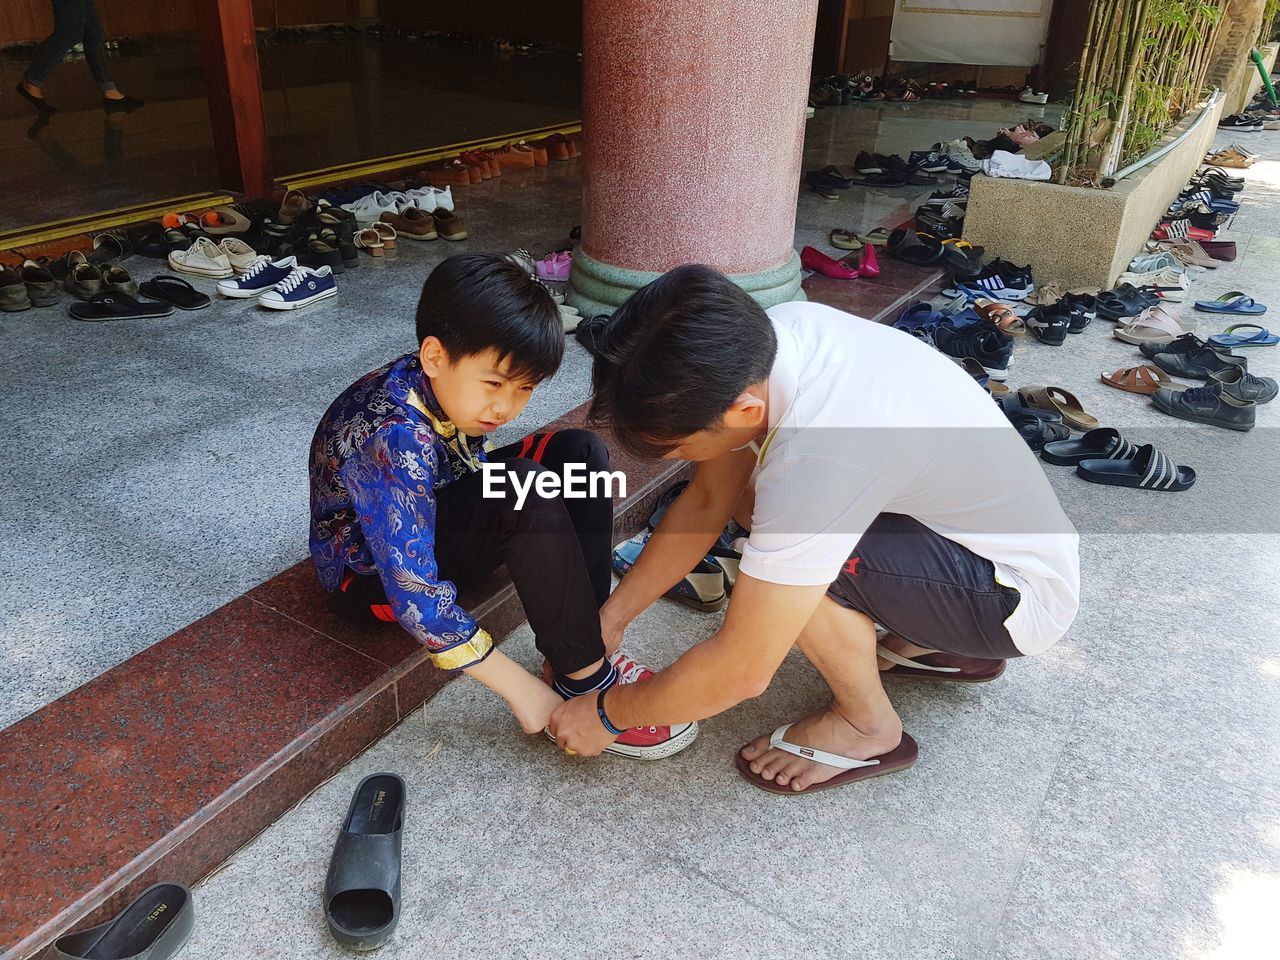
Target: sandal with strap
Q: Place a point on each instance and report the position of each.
(1234, 301)
(1144, 379)
(1262, 337)
(1000, 314)
(846, 240)
(1149, 469)
(170, 289)
(1154, 325)
(899, 758)
(1061, 401)
(1104, 443)
(118, 306)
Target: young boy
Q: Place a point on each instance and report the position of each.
(400, 520)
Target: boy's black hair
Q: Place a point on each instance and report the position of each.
(675, 357)
(475, 301)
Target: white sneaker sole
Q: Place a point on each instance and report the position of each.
(661, 751)
(1001, 375)
(237, 294)
(295, 304)
(212, 273)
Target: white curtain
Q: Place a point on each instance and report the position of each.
(997, 32)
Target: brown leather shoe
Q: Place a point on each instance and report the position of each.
(449, 225)
(294, 205)
(557, 147)
(515, 158)
(539, 152)
(453, 173)
(413, 224)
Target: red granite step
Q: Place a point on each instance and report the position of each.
(167, 764)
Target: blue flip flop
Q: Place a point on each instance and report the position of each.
(1229, 338)
(1234, 302)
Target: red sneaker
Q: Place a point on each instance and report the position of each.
(648, 743)
(641, 743)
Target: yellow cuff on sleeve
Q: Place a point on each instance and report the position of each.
(466, 654)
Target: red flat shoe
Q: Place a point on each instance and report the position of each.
(818, 261)
(869, 264)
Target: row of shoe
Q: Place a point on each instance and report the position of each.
(1206, 203)
(33, 284)
(476, 166)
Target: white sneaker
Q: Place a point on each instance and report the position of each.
(959, 151)
(1028, 95)
(1173, 286)
(431, 198)
(373, 205)
(241, 255)
(203, 259)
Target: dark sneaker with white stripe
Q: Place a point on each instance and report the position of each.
(1241, 122)
(1207, 404)
(1000, 283)
(1049, 324)
(981, 341)
(929, 161)
(261, 276)
(302, 287)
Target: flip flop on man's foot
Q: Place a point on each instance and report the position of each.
(899, 758)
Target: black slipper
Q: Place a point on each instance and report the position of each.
(156, 926)
(40, 103)
(118, 306)
(916, 248)
(362, 890)
(175, 290)
(148, 240)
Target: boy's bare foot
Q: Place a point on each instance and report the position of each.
(824, 730)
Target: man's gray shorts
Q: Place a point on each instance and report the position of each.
(927, 589)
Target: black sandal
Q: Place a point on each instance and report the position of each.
(156, 925)
(362, 890)
(174, 290)
(118, 306)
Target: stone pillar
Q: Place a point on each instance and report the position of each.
(693, 120)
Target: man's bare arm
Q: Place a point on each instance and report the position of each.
(735, 664)
(684, 536)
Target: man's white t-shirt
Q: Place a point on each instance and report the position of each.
(865, 419)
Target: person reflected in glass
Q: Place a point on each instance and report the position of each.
(74, 21)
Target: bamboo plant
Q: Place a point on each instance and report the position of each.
(1144, 65)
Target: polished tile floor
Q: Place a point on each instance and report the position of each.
(328, 100)
(1112, 799)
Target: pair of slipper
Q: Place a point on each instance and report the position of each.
(1104, 456)
(934, 666)
(159, 297)
(852, 240)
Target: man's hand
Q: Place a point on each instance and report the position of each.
(611, 631)
(576, 726)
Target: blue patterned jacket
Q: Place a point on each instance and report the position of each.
(379, 455)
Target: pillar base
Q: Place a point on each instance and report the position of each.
(599, 288)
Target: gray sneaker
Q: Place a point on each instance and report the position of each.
(42, 289)
(85, 279)
(117, 280)
(1245, 387)
(13, 292)
(1208, 404)
(1197, 364)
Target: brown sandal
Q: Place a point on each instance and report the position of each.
(1144, 380)
(1061, 401)
(1000, 314)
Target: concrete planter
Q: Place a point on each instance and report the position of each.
(1079, 236)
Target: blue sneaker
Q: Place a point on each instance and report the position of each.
(261, 276)
(301, 287)
(928, 161)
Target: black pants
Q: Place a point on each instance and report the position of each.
(556, 550)
(74, 21)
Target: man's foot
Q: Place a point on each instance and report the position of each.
(825, 730)
(31, 93)
(927, 664)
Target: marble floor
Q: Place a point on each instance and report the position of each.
(1112, 799)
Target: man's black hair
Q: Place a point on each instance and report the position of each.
(476, 301)
(675, 357)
